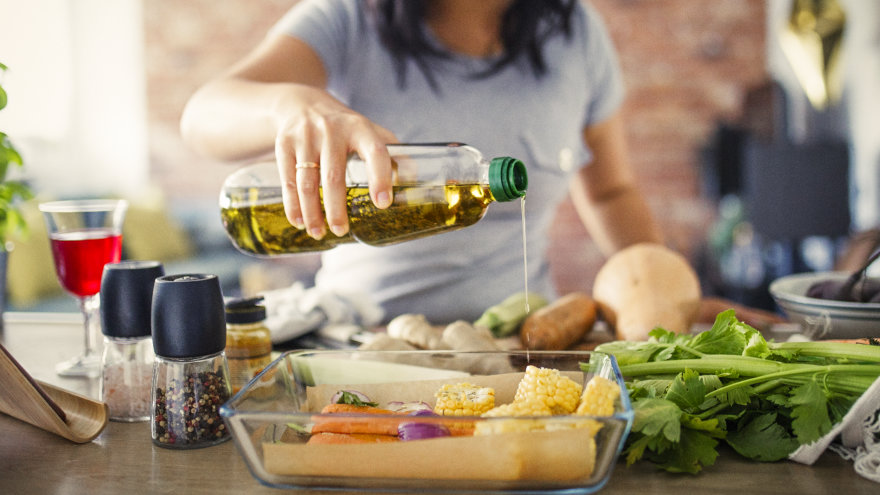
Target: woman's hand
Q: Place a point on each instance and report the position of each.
(316, 133)
(274, 100)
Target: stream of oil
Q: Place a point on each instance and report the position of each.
(522, 211)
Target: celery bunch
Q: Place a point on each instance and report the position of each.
(728, 384)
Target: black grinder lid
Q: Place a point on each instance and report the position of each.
(245, 310)
(188, 316)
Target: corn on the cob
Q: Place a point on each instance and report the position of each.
(519, 416)
(510, 425)
(463, 399)
(549, 387)
(598, 397)
(545, 392)
(597, 400)
(523, 408)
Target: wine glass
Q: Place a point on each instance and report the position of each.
(84, 236)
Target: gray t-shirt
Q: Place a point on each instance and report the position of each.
(458, 275)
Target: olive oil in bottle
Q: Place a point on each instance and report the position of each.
(437, 188)
(255, 222)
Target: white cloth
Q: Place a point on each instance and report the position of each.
(859, 437)
(296, 310)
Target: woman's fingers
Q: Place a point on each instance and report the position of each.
(285, 157)
(312, 151)
(373, 150)
(333, 162)
(298, 154)
(308, 188)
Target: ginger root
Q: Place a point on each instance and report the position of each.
(416, 330)
(462, 336)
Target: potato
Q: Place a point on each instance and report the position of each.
(645, 286)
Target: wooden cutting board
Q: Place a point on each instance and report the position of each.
(68, 414)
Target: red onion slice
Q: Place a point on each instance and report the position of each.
(419, 430)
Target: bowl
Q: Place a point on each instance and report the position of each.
(271, 418)
(823, 318)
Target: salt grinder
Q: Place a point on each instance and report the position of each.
(190, 373)
(127, 360)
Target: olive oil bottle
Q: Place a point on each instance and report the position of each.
(437, 188)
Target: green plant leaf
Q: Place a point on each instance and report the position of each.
(725, 337)
(8, 154)
(713, 427)
(763, 439)
(11, 192)
(695, 451)
(3, 97)
(809, 412)
(631, 352)
(687, 391)
(657, 417)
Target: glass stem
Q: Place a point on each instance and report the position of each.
(89, 306)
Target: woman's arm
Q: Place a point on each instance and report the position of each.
(616, 214)
(236, 116)
(274, 100)
(605, 193)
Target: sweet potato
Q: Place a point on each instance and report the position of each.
(560, 324)
(645, 286)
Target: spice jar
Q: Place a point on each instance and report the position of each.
(190, 372)
(127, 360)
(248, 340)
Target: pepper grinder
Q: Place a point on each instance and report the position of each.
(127, 360)
(190, 372)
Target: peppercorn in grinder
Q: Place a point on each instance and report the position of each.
(190, 373)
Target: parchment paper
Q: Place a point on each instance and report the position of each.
(546, 455)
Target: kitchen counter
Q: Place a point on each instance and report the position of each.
(122, 459)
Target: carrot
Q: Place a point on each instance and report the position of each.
(349, 418)
(349, 438)
(560, 324)
(353, 409)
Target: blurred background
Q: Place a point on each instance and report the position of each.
(750, 123)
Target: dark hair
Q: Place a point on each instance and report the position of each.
(526, 26)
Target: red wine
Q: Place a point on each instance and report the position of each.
(80, 257)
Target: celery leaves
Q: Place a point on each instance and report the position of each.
(762, 438)
(810, 412)
(730, 385)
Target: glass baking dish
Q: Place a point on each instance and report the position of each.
(272, 416)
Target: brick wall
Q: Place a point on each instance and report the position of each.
(188, 42)
(687, 66)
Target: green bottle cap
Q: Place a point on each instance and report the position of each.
(507, 178)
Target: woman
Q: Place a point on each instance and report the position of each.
(534, 79)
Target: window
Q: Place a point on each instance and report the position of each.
(76, 87)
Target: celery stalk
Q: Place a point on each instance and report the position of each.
(834, 350)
